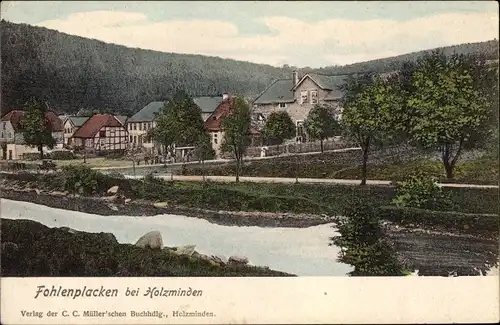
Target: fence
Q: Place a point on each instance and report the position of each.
(291, 148)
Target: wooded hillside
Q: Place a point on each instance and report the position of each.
(72, 72)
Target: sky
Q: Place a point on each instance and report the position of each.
(298, 33)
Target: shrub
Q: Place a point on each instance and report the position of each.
(81, 179)
(115, 174)
(31, 156)
(421, 191)
(362, 245)
(62, 155)
(115, 154)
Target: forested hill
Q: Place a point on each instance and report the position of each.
(489, 49)
(72, 72)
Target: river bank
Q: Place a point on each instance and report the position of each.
(139, 208)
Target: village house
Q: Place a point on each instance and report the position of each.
(12, 142)
(140, 123)
(213, 124)
(101, 132)
(73, 123)
(298, 96)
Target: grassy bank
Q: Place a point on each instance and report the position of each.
(265, 197)
(483, 170)
(32, 249)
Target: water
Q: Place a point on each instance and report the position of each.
(300, 251)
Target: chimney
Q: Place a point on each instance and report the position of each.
(225, 96)
(295, 77)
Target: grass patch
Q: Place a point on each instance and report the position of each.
(32, 249)
(265, 197)
(483, 170)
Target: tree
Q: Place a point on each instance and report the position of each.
(368, 102)
(279, 127)
(203, 150)
(448, 106)
(36, 127)
(321, 123)
(236, 128)
(178, 123)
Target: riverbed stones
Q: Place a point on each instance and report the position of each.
(160, 204)
(113, 189)
(219, 259)
(112, 198)
(238, 260)
(185, 250)
(151, 239)
(128, 201)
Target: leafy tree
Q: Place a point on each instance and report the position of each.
(321, 123)
(203, 150)
(279, 127)
(368, 103)
(236, 128)
(448, 106)
(36, 127)
(178, 123)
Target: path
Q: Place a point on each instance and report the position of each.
(299, 180)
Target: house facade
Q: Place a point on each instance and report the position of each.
(12, 145)
(298, 95)
(101, 132)
(214, 124)
(142, 122)
(71, 125)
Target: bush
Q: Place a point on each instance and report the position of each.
(62, 155)
(362, 244)
(81, 179)
(473, 223)
(421, 191)
(115, 154)
(115, 174)
(31, 156)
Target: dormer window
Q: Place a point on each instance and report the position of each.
(282, 105)
(303, 97)
(314, 97)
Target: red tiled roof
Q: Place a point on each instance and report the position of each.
(96, 123)
(214, 121)
(16, 116)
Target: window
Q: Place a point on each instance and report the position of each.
(140, 126)
(102, 134)
(215, 140)
(303, 97)
(135, 126)
(131, 138)
(282, 105)
(130, 126)
(314, 96)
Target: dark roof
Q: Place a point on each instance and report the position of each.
(326, 82)
(207, 104)
(147, 113)
(15, 117)
(122, 118)
(78, 121)
(96, 123)
(279, 91)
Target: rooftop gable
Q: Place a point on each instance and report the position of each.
(15, 117)
(78, 121)
(147, 113)
(280, 91)
(90, 128)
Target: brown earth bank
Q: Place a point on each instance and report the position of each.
(141, 208)
(441, 253)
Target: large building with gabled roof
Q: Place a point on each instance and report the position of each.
(298, 95)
